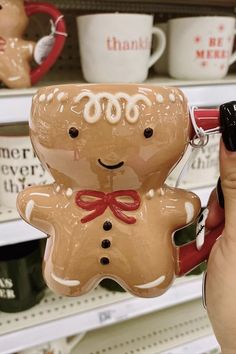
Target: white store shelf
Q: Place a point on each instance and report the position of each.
(184, 329)
(199, 93)
(58, 316)
(18, 231)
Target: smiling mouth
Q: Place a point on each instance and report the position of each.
(111, 167)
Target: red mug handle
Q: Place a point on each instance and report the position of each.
(188, 255)
(56, 16)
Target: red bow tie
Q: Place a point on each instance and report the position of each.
(105, 200)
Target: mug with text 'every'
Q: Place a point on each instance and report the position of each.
(201, 47)
(19, 165)
(116, 47)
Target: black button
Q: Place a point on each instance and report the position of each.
(107, 225)
(106, 243)
(104, 260)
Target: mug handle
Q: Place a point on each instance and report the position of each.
(56, 16)
(189, 256)
(74, 341)
(159, 50)
(232, 59)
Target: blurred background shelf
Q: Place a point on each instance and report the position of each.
(58, 316)
(184, 329)
(17, 231)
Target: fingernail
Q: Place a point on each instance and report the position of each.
(228, 124)
(220, 194)
(204, 290)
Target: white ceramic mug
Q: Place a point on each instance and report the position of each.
(19, 166)
(201, 47)
(59, 346)
(116, 47)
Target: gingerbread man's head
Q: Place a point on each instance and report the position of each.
(109, 137)
(13, 19)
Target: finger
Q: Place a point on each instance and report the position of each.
(216, 213)
(228, 184)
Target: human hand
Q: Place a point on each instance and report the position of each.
(221, 269)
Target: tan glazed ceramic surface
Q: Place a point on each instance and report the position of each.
(109, 212)
(15, 52)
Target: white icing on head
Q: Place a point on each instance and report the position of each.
(66, 282)
(42, 98)
(69, 192)
(50, 97)
(111, 106)
(189, 212)
(93, 108)
(62, 97)
(172, 97)
(58, 188)
(28, 210)
(152, 284)
(159, 98)
(150, 194)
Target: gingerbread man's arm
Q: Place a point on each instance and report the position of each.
(181, 206)
(28, 48)
(36, 204)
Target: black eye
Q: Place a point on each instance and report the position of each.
(148, 132)
(73, 132)
(0, 7)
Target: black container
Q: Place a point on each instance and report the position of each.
(21, 281)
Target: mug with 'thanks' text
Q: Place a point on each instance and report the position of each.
(116, 47)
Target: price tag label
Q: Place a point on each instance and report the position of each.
(105, 316)
(112, 315)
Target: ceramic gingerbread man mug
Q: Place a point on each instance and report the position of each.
(110, 213)
(16, 53)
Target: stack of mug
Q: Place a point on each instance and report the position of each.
(21, 282)
(116, 47)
